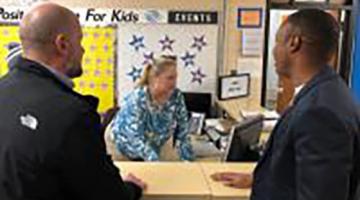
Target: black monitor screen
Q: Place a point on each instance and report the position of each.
(243, 136)
(198, 102)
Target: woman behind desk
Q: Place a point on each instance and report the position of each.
(153, 113)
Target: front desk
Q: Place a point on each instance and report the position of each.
(218, 190)
(169, 180)
(185, 181)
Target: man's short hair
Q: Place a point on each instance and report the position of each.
(318, 28)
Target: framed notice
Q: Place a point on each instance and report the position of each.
(249, 18)
(234, 86)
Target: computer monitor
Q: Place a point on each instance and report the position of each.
(198, 102)
(244, 136)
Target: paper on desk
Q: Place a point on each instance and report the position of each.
(271, 114)
(211, 122)
(222, 125)
(269, 125)
(268, 114)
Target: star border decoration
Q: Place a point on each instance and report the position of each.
(198, 76)
(148, 58)
(166, 43)
(199, 43)
(137, 42)
(188, 59)
(135, 73)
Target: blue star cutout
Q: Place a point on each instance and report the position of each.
(137, 42)
(166, 43)
(199, 42)
(149, 58)
(188, 59)
(198, 76)
(135, 73)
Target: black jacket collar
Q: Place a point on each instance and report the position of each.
(36, 68)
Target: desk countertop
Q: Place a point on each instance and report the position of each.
(169, 179)
(179, 180)
(218, 190)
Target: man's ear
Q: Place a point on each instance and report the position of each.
(294, 43)
(61, 44)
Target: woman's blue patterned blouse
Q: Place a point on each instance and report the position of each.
(141, 128)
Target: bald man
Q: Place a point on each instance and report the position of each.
(51, 146)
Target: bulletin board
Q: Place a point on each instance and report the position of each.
(98, 62)
(98, 65)
(8, 34)
(194, 45)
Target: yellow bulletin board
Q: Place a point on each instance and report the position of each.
(98, 62)
(8, 34)
(98, 65)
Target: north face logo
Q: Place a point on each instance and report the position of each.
(29, 121)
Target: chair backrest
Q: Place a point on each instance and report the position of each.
(108, 117)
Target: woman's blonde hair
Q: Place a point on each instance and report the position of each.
(158, 66)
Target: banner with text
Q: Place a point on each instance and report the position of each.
(106, 16)
(95, 16)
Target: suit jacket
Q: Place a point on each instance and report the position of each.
(51, 147)
(313, 152)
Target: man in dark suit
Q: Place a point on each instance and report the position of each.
(313, 152)
(51, 147)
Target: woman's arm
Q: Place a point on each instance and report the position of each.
(129, 131)
(182, 130)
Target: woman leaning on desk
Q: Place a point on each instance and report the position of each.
(152, 114)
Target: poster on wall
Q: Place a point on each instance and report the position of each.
(195, 47)
(249, 17)
(9, 36)
(98, 62)
(98, 66)
(252, 42)
(94, 16)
